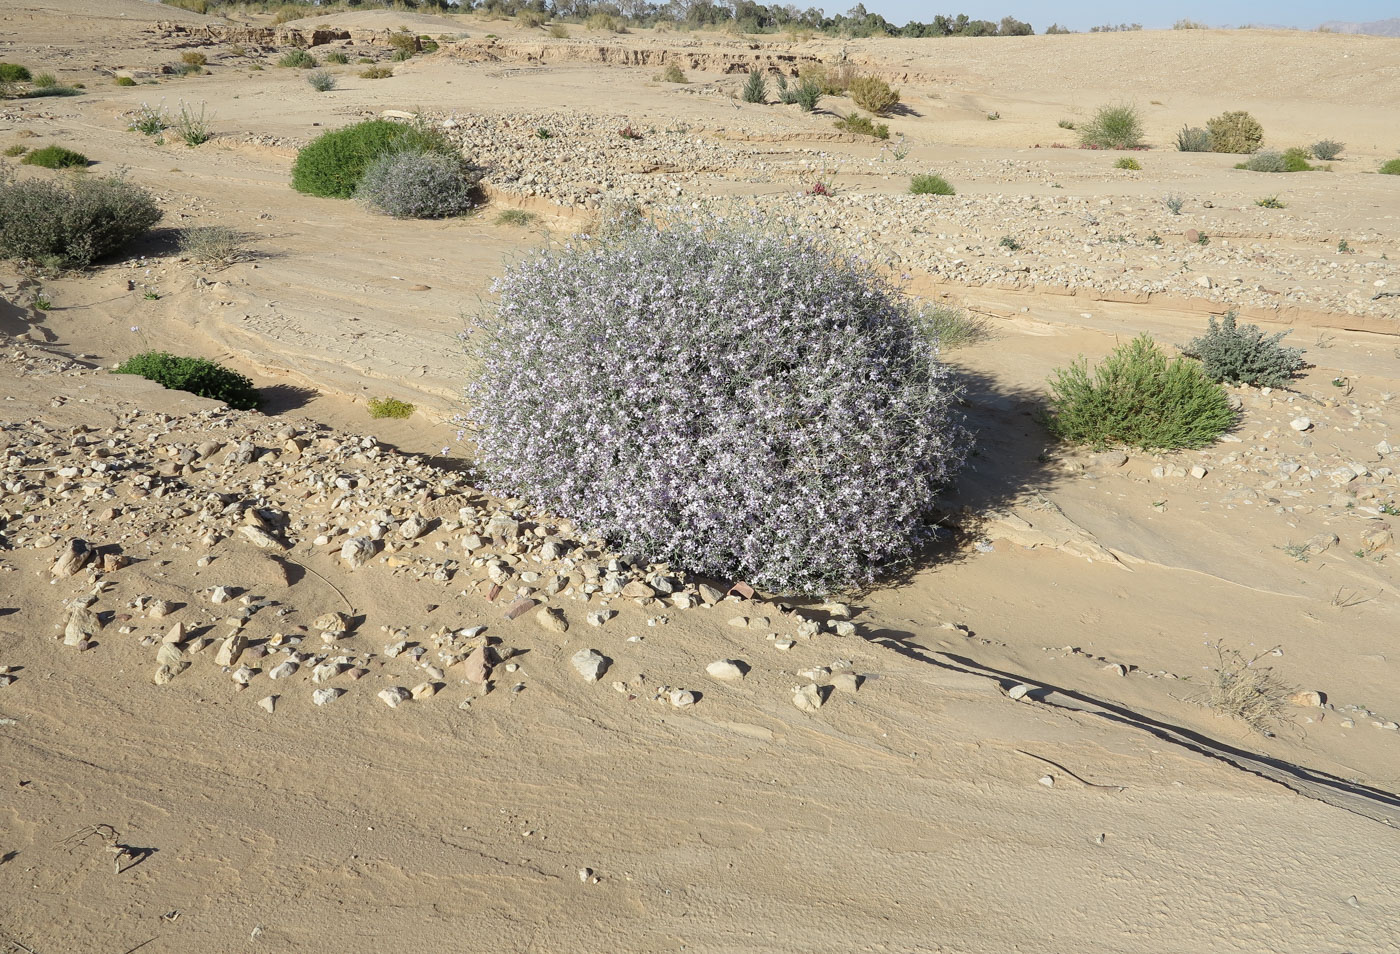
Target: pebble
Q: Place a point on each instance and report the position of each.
(808, 698)
(75, 555)
(1020, 691)
(424, 690)
(552, 619)
(1306, 698)
(268, 703)
(394, 696)
(1300, 423)
(283, 669)
(680, 698)
(726, 669)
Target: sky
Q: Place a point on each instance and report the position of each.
(1083, 14)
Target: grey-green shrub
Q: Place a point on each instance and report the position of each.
(320, 81)
(1268, 160)
(1242, 354)
(1326, 149)
(1138, 398)
(333, 163)
(337, 57)
(1235, 132)
(419, 185)
(1112, 127)
(1194, 139)
(298, 59)
(71, 223)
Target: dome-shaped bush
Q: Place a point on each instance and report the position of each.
(333, 163)
(740, 403)
(419, 185)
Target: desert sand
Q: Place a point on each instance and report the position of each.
(1013, 749)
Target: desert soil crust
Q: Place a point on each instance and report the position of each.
(288, 681)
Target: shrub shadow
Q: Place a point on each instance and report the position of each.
(903, 109)
(280, 398)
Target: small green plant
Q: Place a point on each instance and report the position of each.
(150, 120)
(993, 116)
(1127, 162)
(515, 217)
(298, 59)
(365, 60)
(806, 93)
(1391, 167)
(862, 125)
(1236, 132)
(151, 295)
(952, 327)
(16, 150)
(1296, 160)
(756, 87)
(1153, 238)
(672, 74)
(1298, 551)
(193, 127)
(1202, 239)
(1113, 127)
(1194, 139)
(1009, 243)
(1243, 689)
(196, 375)
(820, 188)
(1389, 509)
(320, 81)
(14, 73)
(1138, 398)
(404, 42)
(41, 302)
(45, 81)
(124, 81)
(1242, 354)
(1344, 246)
(377, 72)
(56, 157)
(930, 184)
(873, 94)
(337, 57)
(543, 133)
(193, 58)
(389, 407)
(1066, 124)
(1326, 149)
(1173, 203)
(1271, 202)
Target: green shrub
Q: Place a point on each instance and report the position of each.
(298, 59)
(1269, 160)
(377, 72)
(14, 73)
(56, 157)
(404, 43)
(398, 56)
(515, 217)
(930, 185)
(1296, 160)
(1128, 163)
(320, 81)
(531, 18)
(1271, 202)
(426, 45)
(873, 95)
(337, 57)
(45, 81)
(862, 125)
(16, 150)
(672, 74)
(333, 164)
(193, 128)
(1236, 132)
(1113, 127)
(1326, 149)
(389, 407)
(124, 81)
(39, 91)
(71, 223)
(1242, 354)
(196, 375)
(806, 92)
(1138, 398)
(756, 87)
(1194, 139)
(1066, 124)
(1391, 167)
(193, 58)
(419, 185)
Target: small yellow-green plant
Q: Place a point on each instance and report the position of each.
(873, 94)
(672, 74)
(377, 72)
(390, 407)
(862, 125)
(515, 217)
(124, 81)
(1128, 163)
(1271, 202)
(930, 185)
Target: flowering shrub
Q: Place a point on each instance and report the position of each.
(738, 402)
(419, 185)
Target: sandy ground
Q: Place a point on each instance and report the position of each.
(1106, 809)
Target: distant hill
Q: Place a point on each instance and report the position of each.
(1389, 27)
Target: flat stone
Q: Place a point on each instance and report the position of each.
(552, 618)
(809, 698)
(846, 682)
(394, 696)
(590, 664)
(726, 669)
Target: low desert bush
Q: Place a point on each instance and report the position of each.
(403, 42)
(1173, 203)
(214, 244)
(377, 72)
(298, 59)
(333, 164)
(515, 217)
(320, 81)
(419, 185)
(1242, 354)
(1244, 689)
(1271, 202)
(336, 57)
(558, 31)
(1128, 162)
(15, 150)
(14, 73)
(952, 327)
(1296, 160)
(1267, 160)
(834, 81)
(531, 18)
(1326, 149)
(194, 58)
(45, 81)
(796, 441)
(56, 157)
(124, 81)
(1391, 167)
(1138, 398)
(930, 185)
(606, 22)
(862, 125)
(381, 407)
(196, 375)
(69, 224)
(1236, 132)
(1066, 124)
(1112, 127)
(398, 56)
(615, 217)
(873, 95)
(1194, 139)
(806, 93)
(672, 74)
(756, 87)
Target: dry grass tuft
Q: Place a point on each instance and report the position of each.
(1247, 691)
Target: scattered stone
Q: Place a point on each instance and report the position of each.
(220, 594)
(81, 626)
(335, 623)
(846, 682)
(519, 608)
(726, 669)
(394, 696)
(1198, 472)
(637, 590)
(283, 669)
(680, 698)
(424, 690)
(260, 538)
(553, 619)
(159, 609)
(1307, 698)
(1048, 781)
(808, 698)
(708, 594)
(590, 664)
(230, 650)
(356, 552)
(783, 645)
(600, 617)
(1300, 423)
(413, 528)
(176, 634)
(1020, 692)
(268, 703)
(75, 555)
(476, 669)
(322, 696)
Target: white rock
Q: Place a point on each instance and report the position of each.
(846, 681)
(394, 696)
(356, 552)
(680, 698)
(590, 664)
(283, 669)
(267, 703)
(727, 669)
(220, 594)
(424, 690)
(1020, 692)
(321, 696)
(808, 698)
(1300, 423)
(230, 649)
(1198, 471)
